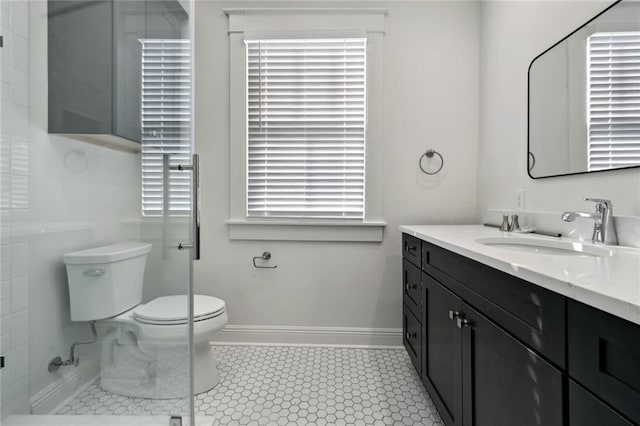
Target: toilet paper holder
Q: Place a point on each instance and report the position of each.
(265, 256)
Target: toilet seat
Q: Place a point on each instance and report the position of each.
(173, 310)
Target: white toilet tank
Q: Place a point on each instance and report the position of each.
(105, 281)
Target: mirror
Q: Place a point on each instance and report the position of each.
(584, 97)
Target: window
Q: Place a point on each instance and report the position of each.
(306, 124)
(613, 79)
(166, 126)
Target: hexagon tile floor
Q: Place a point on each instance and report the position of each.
(292, 385)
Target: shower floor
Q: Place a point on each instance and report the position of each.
(282, 385)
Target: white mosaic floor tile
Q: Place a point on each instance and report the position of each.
(286, 385)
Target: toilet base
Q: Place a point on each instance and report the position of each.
(205, 369)
(158, 370)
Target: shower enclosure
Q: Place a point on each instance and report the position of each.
(96, 148)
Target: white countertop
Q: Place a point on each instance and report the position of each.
(610, 282)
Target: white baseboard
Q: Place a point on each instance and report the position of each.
(71, 382)
(313, 336)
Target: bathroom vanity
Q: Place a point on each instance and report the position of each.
(508, 330)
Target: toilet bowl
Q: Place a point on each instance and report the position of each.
(156, 334)
(145, 352)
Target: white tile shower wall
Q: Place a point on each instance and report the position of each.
(80, 195)
(56, 195)
(14, 206)
(511, 36)
(431, 101)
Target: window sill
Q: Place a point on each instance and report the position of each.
(370, 231)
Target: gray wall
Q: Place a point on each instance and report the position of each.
(511, 36)
(430, 101)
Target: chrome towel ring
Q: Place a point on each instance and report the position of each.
(430, 153)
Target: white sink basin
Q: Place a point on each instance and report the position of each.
(537, 246)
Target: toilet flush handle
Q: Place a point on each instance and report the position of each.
(93, 272)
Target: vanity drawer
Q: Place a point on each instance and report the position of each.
(411, 286)
(412, 338)
(411, 249)
(587, 410)
(604, 357)
(532, 314)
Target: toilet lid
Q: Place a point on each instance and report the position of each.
(174, 309)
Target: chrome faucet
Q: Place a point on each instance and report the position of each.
(604, 231)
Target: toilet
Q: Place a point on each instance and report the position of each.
(145, 352)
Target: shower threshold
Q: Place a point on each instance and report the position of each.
(61, 420)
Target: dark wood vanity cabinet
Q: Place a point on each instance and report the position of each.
(496, 350)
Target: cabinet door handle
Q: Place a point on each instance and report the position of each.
(410, 287)
(453, 315)
(462, 322)
(409, 248)
(410, 336)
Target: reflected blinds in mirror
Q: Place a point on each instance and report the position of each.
(306, 109)
(613, 109)
(166, 125)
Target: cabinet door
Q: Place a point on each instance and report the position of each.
(80, 57)
(442, 348)
(504, 382)
(129, 29)
(137, 20)
(586, 410)
(534, 315)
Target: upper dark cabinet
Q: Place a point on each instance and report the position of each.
(95, 64)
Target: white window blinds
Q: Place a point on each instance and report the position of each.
(166, 125)
(306, 108)
(613, 110)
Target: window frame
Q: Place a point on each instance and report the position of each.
(305, 23)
